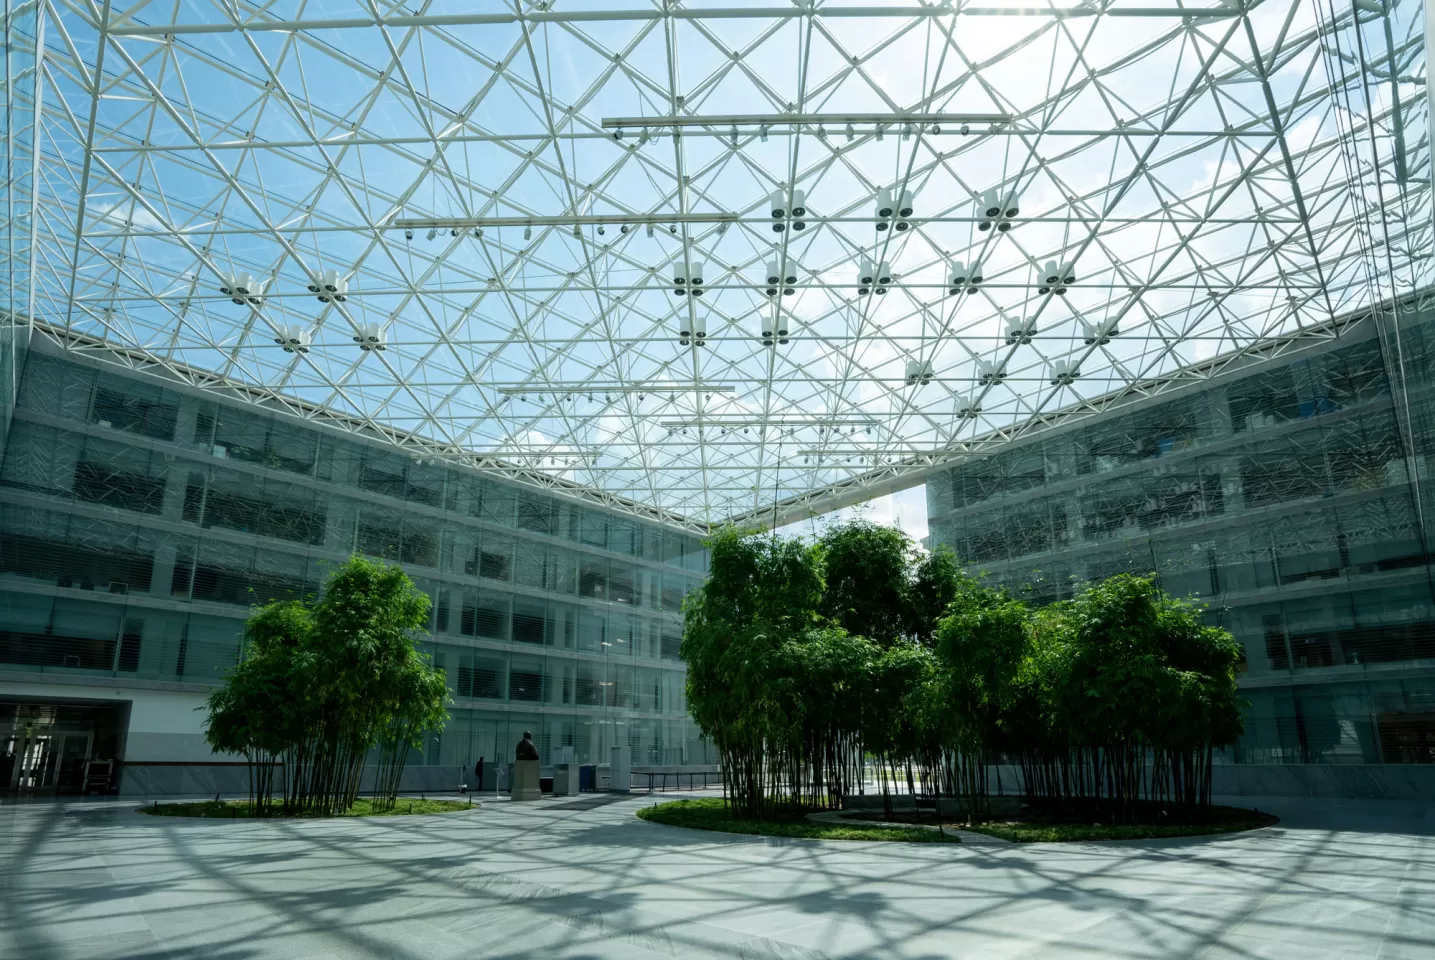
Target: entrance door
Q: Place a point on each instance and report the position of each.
(70, 771)
(36, 769)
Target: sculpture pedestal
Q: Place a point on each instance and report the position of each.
(525, 781)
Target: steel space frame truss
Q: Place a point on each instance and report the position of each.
(1229, 181)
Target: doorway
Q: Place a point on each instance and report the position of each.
(47, 747)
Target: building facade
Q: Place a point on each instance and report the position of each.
(1290, 496)
(140, 520)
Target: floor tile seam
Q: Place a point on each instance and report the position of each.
(661, 920)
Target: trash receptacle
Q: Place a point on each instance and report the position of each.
(586, 779)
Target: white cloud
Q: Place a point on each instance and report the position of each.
(906, 510)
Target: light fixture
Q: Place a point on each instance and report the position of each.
(680, 279)
(1063, 373)
(433, 232)
(695, 279)
(777, 202)
(408, 234)
(773, 278)
(650, 231)
(453, 231)
(919, 372)
(881, 130)
(1010, 211)
(865, 275)
(1100, 334)
(788, 279)
(294, 339)
(762, 133)
(734, 135)
(851, 133)
(968, 408)
(240, 289)
(371, 337)
(988, 372)
(528, 232)
(884, 276)
(330, 286)
(684, 336)
(974, 277)
(884, 208)
(1055, 279)
(799, 208)
(1020, 331)
(959, 279)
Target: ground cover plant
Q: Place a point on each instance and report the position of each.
(1212, 819)
(361, 807)
(325, 688)
(714, 813)
(811, 663)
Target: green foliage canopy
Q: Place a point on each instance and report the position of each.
(322, 686)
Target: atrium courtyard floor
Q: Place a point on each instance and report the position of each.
(584, 879)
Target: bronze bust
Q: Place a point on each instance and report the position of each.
(526, 750)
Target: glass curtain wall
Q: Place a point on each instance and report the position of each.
(139, 523)
(1281, 497)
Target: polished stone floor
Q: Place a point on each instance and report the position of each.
(583, 879)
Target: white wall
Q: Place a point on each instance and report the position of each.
(164, 724)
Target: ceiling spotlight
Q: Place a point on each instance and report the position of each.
(618, 134)
(577, 233)
(884, 208)
(293, 339)
(733, 132)
(408, 234)
(907, 132)
(966, 129)
(799, 209)
(601, 231)
(762, 133)
(623, 228)
(865, 276)
(371, 337)
(1063, 373)
(433, 232)
(650, 231)
(453, 232)
(881, 130)
(1020, 331)
(528, 232)
(919, 372)
(851, 133)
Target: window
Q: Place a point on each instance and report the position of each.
(113, 487)
(148, 418)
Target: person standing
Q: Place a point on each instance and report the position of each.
(478, 774)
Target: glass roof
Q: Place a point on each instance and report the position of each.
(510, 192)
